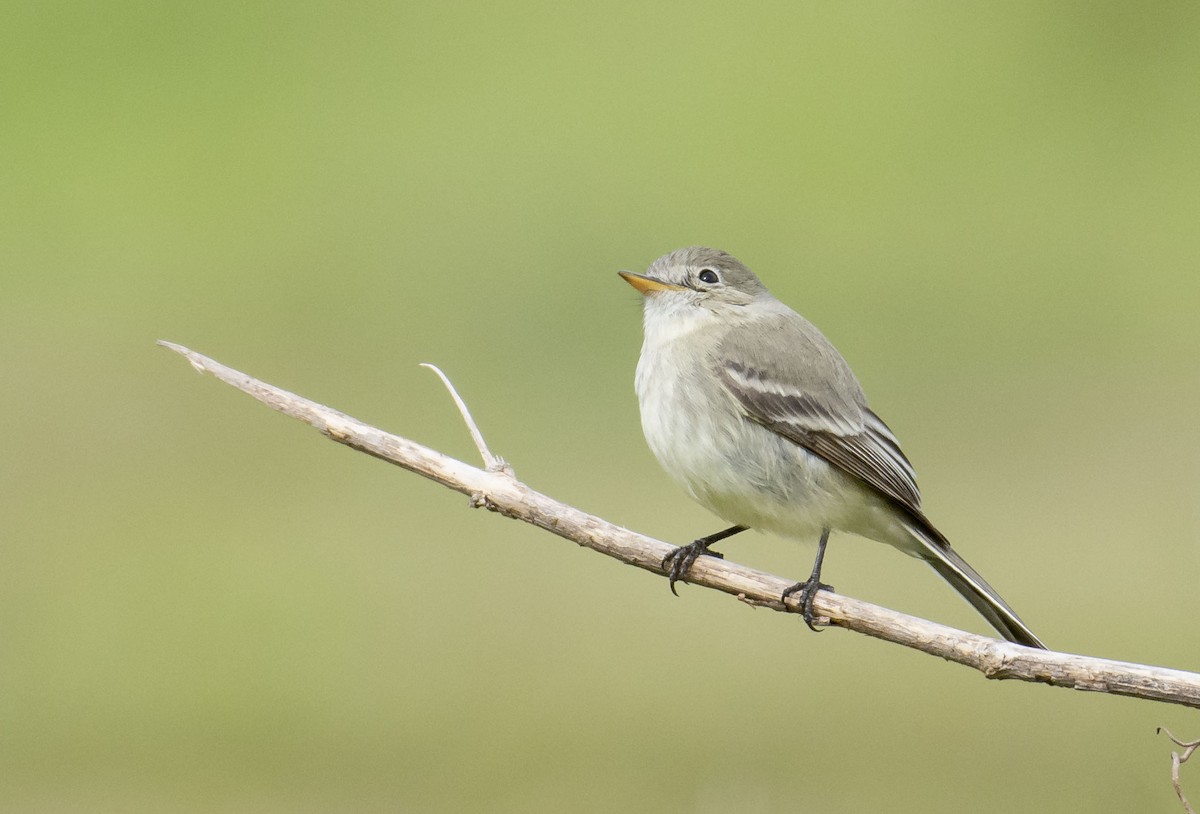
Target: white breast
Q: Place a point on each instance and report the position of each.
(736, 468)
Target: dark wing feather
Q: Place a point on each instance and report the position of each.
(839, 429)
(872, 455)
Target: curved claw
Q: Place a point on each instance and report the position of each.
(678, 562)
(809, 590)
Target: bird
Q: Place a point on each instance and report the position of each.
(757, 416)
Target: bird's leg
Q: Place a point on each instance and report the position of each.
(677, 563)
(811, 585)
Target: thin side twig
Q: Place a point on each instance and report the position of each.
(504, 494)
(1177, 760)
(490, 462)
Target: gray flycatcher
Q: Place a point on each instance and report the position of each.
(757, 416)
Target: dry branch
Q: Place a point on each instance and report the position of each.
(497, 489)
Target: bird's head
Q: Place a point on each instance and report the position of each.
(697, 277)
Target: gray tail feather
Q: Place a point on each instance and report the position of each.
(974, 588)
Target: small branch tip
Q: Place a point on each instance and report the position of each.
(186, 353)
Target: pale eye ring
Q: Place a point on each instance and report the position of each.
(708, 276)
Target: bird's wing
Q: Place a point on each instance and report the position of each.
(816, 403)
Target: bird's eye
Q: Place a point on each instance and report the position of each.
(708, 276)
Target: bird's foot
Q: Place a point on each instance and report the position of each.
(808, 589)
(677, 563)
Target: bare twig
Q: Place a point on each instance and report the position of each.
(1178, 760)
(504, 494)
(490, 462)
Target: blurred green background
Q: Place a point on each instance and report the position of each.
(992, 209)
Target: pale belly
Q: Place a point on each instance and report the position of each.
(747, 474)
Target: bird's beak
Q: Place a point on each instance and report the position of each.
(648, 285)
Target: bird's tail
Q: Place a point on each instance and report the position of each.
(974, 588)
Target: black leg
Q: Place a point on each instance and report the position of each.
(811, 585)
(677, 563)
